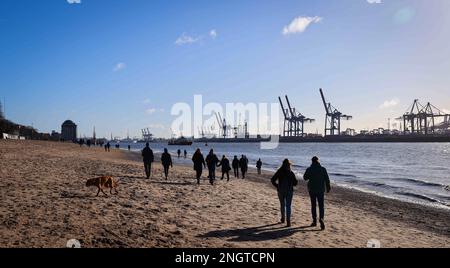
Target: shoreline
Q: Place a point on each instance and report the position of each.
(348, 194)
(405, 184)
(269, 172)
(42, 185)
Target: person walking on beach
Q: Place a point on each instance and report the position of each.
(258, 166)
(211, 162)
(225, 163)
(185, 154)
(199, 164)
(318, 183)
(243, 163)
(147, 155)
(235, 165)
(284, 180)
(129, 147)
(179, 153)
(108, 146)
(166, 161)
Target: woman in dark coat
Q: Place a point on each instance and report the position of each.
(199, 164)
(284, 180)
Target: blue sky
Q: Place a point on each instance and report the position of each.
(116, 64)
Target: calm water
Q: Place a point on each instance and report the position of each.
(415, 172)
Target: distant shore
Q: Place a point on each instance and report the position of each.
(45, 203)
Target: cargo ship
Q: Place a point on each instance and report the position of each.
(181, 141)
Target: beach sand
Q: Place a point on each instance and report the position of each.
(45, 203)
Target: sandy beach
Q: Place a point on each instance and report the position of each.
(45, 203)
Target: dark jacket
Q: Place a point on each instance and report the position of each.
(317, 177)
(211, 160)
(166, 159)
(258, 164)
(286, 180)
(147, 154)
(243, 163)
(225, 163)
(199, 161)
(235, 163)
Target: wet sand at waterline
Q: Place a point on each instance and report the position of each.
(45, 203)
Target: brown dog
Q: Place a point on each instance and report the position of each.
(103, 182)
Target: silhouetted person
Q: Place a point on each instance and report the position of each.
(185, 154)
(179, 153)
(81, 142)
(108, 146)
(318, 183)
(284, 180)
(148, 157)
(235, 165)
(166, 161)
(199, 164)
(225, 164)
(211, 162)
(243, 164)
(129, 147)
(88, 143)
(259, 166)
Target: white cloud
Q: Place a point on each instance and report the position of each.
(389, 104)
(150, 111)
(187, 39)
(119, 66)
(74, 1)
(374, 1)
(146, 101)
(299, 24)
(213, 34)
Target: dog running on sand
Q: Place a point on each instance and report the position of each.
(103, 182)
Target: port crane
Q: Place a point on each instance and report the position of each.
(422, 119)
(333, 118)
(146, 134)
(294, 121)
(223, 125)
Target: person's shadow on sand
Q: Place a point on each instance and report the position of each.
(259, 233)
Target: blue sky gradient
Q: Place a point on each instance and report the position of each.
(115, 64)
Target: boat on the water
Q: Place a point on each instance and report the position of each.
(182, 141)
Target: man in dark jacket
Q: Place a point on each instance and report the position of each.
(199, 164)
(285, 187)
(211, 162)
(166, 161)
(243, 164)
(147, 155)
(225, 163)
(235, 165)
(318, 183)
(259, 166)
